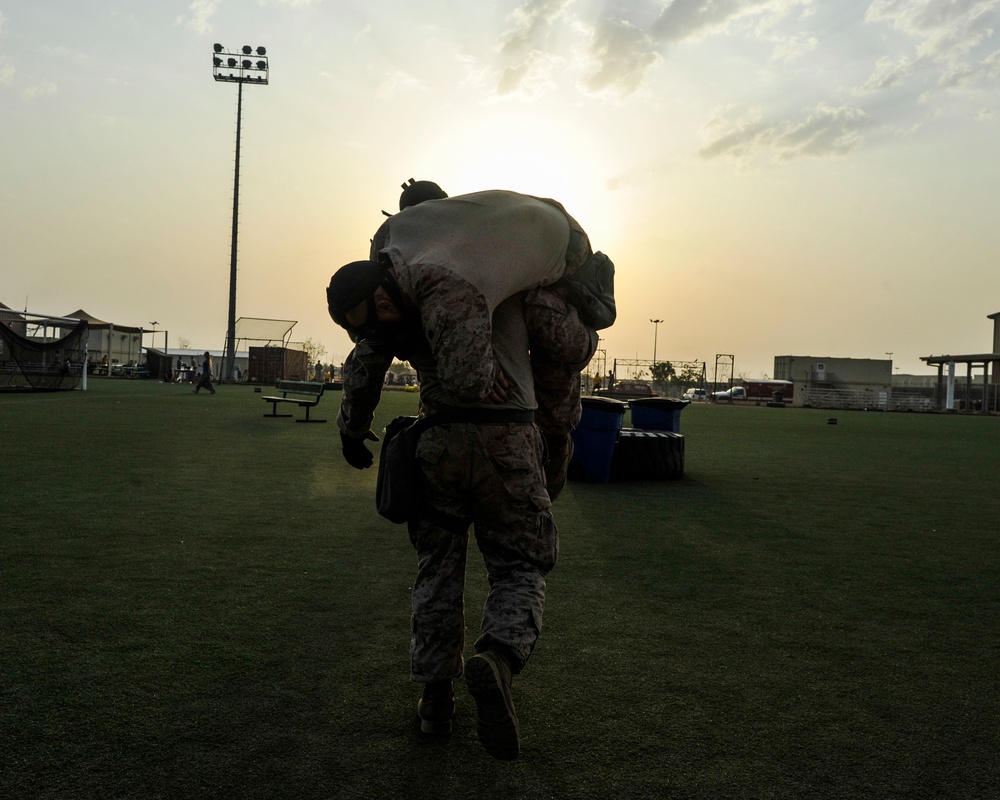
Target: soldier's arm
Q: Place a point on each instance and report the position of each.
(364, 376)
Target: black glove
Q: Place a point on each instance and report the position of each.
(355, 452)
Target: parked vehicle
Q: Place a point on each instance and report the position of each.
(624, 390)
(766, 391)
(695, 394)
(734, 393)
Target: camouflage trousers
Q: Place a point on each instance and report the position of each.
(489, 476)
(561, 348)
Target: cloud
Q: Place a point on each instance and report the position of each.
(201, 14)
(693, 20)
(969, 76)
(624, 50)
(43, 89)
(524, 44)
(827, 132)
(957, 39)
(624, 43)
(790, 48)
(623, 54)
(398, 82)
(946, 34)
(887, 73)
(6, 75)
(640, 175)
(532, 22)
(3, 19)
(920, 17)
(947, 29)
(531, 78)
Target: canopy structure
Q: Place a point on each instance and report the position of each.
(110, 343)
(272, 332)
(946, 385)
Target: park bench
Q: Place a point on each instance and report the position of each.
(304, 394)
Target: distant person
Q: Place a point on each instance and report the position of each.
(205, 380)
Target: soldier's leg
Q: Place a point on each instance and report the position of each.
(438, 619)
(518, 539)
(441, 541)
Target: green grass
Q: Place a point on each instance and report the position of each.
(196, 601)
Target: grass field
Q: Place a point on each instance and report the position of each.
(196, 601)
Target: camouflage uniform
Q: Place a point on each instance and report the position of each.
(486, 473)
(502, 243)
(489, 475)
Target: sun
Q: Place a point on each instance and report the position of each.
(524, 150)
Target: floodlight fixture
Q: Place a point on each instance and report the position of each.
(233, 68)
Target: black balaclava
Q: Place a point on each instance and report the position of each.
(355, 283)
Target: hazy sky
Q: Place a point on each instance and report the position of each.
(771, 177)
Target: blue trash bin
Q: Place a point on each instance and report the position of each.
(594, 439)
(657, 413)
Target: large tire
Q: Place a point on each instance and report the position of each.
(648, 456)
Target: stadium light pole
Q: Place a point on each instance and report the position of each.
(238, 68)
(656, 328)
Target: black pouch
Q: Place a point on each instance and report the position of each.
(396, 488)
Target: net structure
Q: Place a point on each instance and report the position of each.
(271, 332)
(41, 353)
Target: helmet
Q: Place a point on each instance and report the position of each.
(350, 286)
(415, 192)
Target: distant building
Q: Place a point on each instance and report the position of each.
(825, 382)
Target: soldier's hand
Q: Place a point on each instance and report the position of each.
(498, 393)
(355, 452)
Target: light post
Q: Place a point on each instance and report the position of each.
(239, 69)
(656, 328)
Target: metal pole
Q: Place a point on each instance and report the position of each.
(231, 330)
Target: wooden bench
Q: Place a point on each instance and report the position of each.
(304, 394)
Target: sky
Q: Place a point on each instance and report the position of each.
(770, 177)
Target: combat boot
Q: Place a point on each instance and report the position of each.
(488, 677)
(559, 451)
(436, 708)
